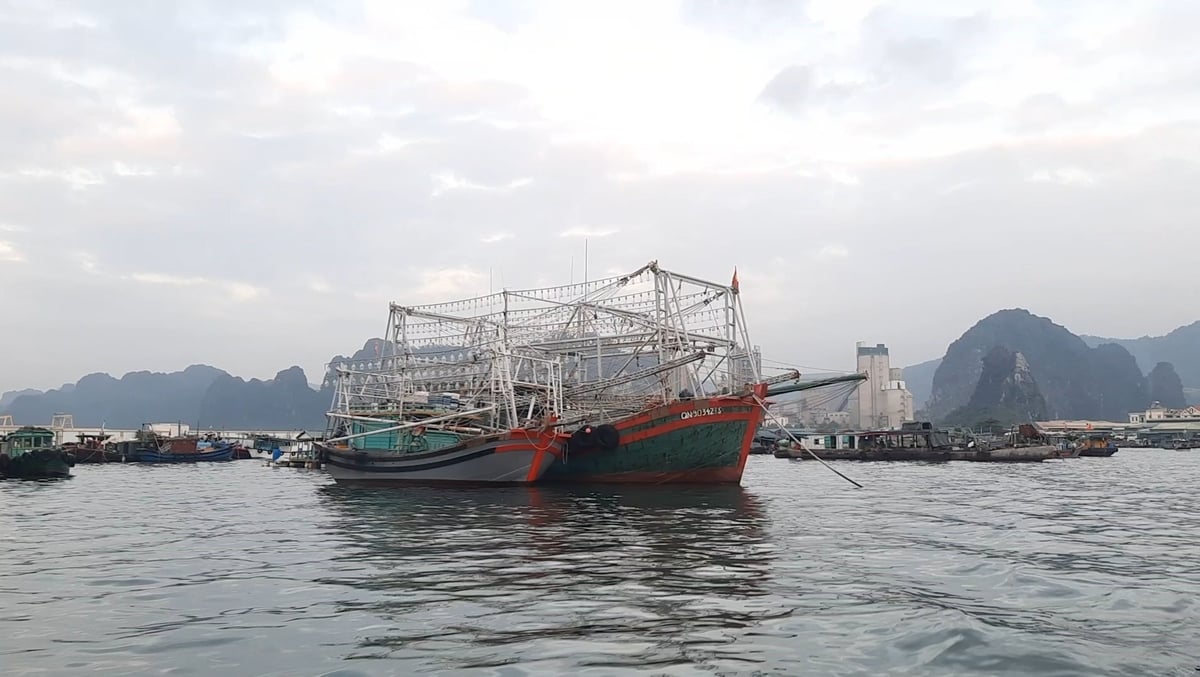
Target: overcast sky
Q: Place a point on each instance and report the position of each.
(247, 184)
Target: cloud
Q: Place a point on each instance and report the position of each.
(160, 278)
(843, 176)
(589, 232)
(1066, 176)
(86, 261)
(75, 177)
(238, 292)
(121, 169)
(832, 251)
(315, 159)
(446, 284)
(1041, 111)
(444, 182)
(790, 87)
(387, 144)
(10, 253)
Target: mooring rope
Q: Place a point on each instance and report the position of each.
(802, 445)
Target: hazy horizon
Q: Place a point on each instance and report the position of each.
(315, 373)
(249, 186)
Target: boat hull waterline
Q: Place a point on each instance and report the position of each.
(516, 457)
(1099, 452)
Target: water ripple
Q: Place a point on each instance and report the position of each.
(1080, 567)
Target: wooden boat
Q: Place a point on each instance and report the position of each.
(185, 450)
(917, 441)
(1096, 445)
(28, 453)
(92, 449)
(764, 442)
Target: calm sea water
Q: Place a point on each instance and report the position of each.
(1078, 567)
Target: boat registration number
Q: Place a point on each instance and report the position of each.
(696, 413)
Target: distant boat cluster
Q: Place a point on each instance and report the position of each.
(921, 441)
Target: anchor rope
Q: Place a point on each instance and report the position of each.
(767, 411)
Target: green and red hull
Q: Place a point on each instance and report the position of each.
(700, 441)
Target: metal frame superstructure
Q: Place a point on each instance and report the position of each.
(594, 350)
(447, 372)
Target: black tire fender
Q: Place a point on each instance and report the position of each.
(584, 438)
(608, 437)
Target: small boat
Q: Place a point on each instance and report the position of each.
(92, 449)
(185, 450)
(914, 441)
(284, 452)
(1096, 445)
(764, 442)
(28, 453)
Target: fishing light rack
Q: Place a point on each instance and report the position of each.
(596, 349)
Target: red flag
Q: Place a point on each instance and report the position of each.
(734, 284)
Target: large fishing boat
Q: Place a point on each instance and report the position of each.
(452, 401)
(645, 377)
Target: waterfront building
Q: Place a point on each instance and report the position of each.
(1158, 413)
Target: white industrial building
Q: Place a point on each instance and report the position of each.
(883, 401)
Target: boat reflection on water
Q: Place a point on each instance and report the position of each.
(646, 575)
